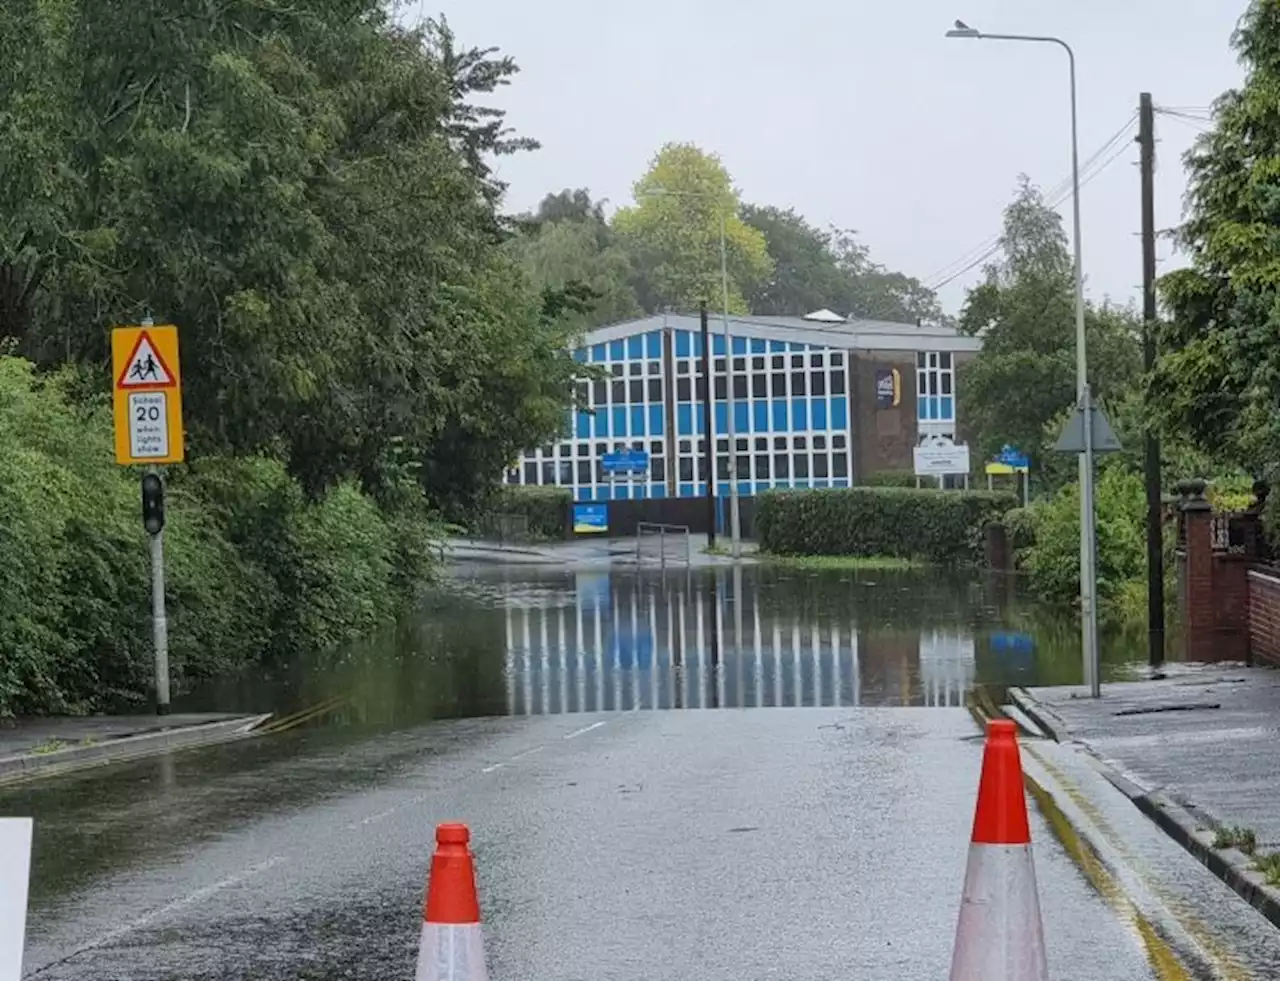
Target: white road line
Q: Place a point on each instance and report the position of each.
(584, 730)
(173, 907)
(527, 752)
(492, 767)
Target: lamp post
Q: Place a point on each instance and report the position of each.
(735, 523)
(1088, 542)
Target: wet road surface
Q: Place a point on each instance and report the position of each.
(822, 843)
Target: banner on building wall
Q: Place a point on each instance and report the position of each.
(888, 388)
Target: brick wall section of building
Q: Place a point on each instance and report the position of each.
(1264, 617)
(883, 438)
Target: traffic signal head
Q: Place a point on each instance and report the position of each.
(152, 504)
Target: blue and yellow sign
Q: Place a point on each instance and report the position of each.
(888, 388)
(590, 519)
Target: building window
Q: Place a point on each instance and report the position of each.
(935, 385)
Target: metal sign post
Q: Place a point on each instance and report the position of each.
(147, 402)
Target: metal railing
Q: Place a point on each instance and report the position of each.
(501, 527)
(674, 537)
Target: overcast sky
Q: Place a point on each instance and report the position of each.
(862, 114)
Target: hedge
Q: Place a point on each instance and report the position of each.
(888, 478)
(545, 507)
(933, 525)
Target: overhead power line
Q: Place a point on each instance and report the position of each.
(1096, 163)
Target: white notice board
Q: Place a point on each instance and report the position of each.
(15, 875)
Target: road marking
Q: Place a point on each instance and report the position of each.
(191, 898)
(584, 730)
(492, 767)
(527, 752)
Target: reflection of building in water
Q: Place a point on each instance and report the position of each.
(679, 642)
(946, 667)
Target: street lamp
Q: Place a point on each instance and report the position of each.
(1088, 543)
(735, 523)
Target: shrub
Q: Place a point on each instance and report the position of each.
(888, 478)
(937, 526)
(254, 570)
(544, 507)
(1021, 525)
(1053, 561)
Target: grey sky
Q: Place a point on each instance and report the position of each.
(863, 114)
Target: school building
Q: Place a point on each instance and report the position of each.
(818, 401)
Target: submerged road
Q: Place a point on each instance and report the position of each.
(740, 845)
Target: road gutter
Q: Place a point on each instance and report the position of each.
(26, 766)
(1195, 833)
(1165, 961)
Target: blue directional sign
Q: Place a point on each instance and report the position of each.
(625, 462)
(1014, 458)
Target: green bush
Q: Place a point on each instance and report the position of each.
(937, 526)
(255, 571)
(888, 478)
(1020, 523)
(544, 507)
(1053, 561)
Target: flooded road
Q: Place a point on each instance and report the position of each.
(817, 831)
(519, 642)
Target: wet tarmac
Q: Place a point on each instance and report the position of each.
(746, 774)
(824, 843)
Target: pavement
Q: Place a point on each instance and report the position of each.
(1193, 752)
(770, 844)
(600, 553)
(40, 746)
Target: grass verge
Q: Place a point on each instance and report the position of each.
(824, 563)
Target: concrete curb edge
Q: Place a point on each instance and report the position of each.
(1231, 866)
(25, 765)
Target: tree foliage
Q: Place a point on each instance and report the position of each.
(1218, 376)
(815, 269)
(569, 241)
(673, 233)
(306, 191)
(1025, 376)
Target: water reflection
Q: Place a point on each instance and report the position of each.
(617, 643)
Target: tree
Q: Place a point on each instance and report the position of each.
(1218, 376)
(569, 242)
(673, 233)
(307, 192)
(1024, 310)
(815, 269)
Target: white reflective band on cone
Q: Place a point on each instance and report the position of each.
(451, 952)
(1000, 936)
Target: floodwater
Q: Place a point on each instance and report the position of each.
(515, 641)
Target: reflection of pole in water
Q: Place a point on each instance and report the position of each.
(856, 663)
(579, 644)
(634, 660)
(655, 657)
(815, 645)
(797, 699)
(509, 663)
(677, 655)
(597, 658)
(777, 664)
(757, 640)
(544, 665)
(715, 684)
(837, 666)
(700, 649)
(526, 657)
(615, 652)
(739, 654)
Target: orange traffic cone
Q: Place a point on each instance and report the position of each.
(452, 945)
(1000, 936)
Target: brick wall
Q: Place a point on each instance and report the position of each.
(1264, 617)
(883, 438)
(1213, 593)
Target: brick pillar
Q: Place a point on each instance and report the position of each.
(1195, 599)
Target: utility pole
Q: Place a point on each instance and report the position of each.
(709, 447)
(1151, 446)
